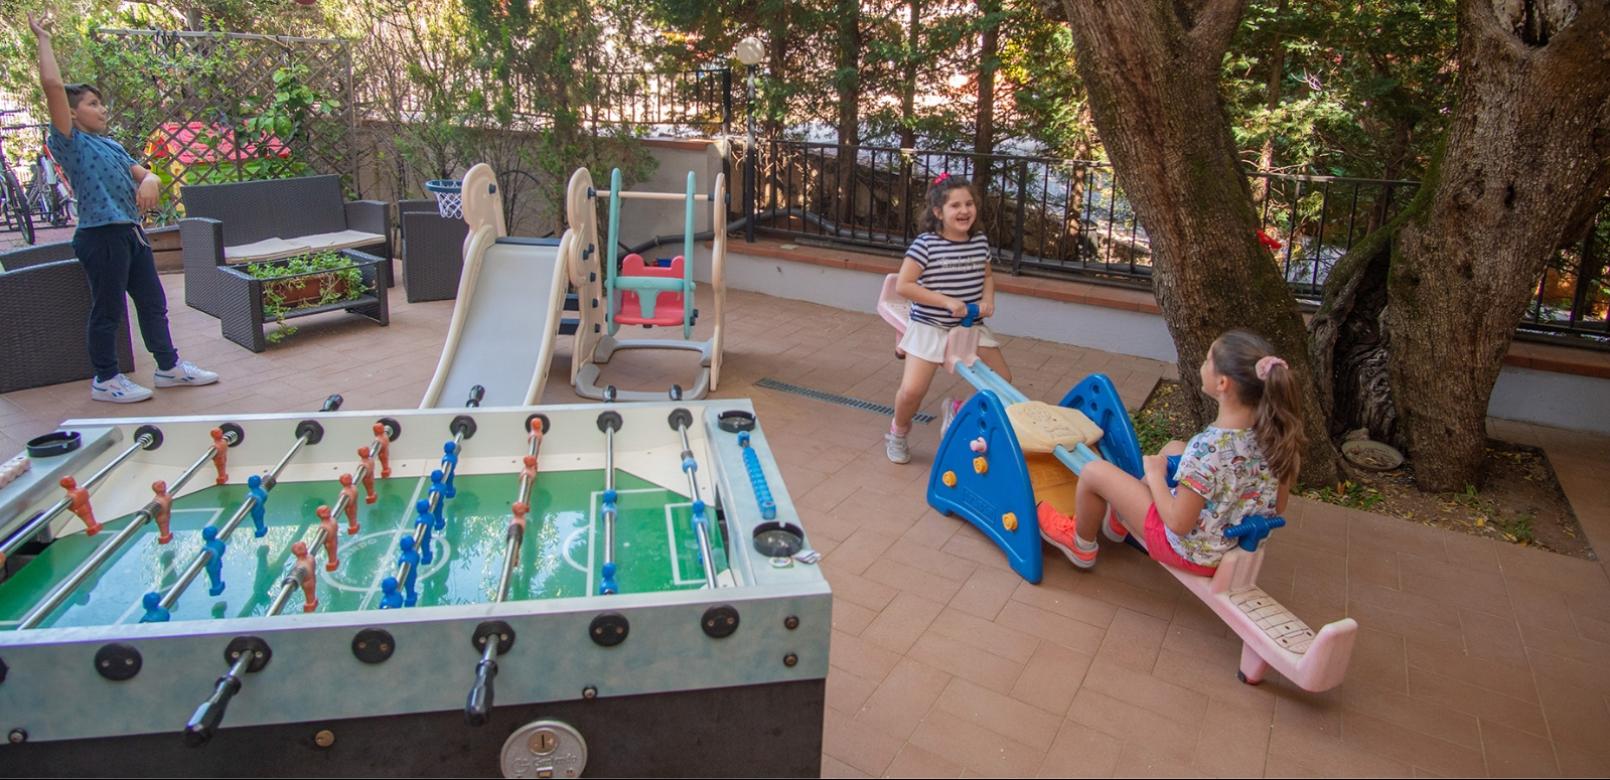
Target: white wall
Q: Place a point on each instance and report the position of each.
(1545, 398)
(644, 219)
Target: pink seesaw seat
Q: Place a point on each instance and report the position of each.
(1270, 634)
(961, 346)
(667, 305)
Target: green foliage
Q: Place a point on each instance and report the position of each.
(333, 274)
(1349, 494)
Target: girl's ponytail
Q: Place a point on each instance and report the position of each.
(1265, 383)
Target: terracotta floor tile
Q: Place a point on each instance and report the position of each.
(866, 750)
(1513, 753)
(964, 660)
(1125, 595)
(856, 589)
(930, 559)
(1081, 608)
(991, 637)
(1299, 751)
(849, 617)
(832, 767)
(1000, 714)
(1133, 640)
(862, 658)
(904, 698)
(897, 627)
(932, 530)
(1213, 677)
(1073, 634)
(1175, 702)
(1127, 722)
(1234, 742)
(913, 580)
(956, 740)
(913, 761)
(1146, 759)
(1490, 707)
(861, 550)
(847, 692)
(985, 592)
(1364, 732)
(1052, 678)
(1081, 752)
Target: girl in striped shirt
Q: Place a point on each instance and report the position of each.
(946, 268)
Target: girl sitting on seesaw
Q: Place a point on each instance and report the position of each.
(946, 268)
(1243, 464)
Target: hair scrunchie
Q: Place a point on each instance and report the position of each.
(940, 179)
(1266, 364)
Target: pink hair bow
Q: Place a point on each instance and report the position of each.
(940, 179)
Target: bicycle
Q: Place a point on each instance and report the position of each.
(14, 204)
(50, 194)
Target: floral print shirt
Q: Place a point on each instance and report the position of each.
(1226, 467)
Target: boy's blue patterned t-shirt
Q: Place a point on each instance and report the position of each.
(98, 169)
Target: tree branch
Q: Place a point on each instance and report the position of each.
(1215, 24)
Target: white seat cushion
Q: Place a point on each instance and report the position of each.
(342, 239)
(267, 249)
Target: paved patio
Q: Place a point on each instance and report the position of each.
(1475, 657)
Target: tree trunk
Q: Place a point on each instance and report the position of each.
(989, 48)
(908, 82)
(1527, 148)
(776, 67)
(1152, 71)
(848, 81)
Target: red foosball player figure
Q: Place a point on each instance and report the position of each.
(519, 509)
(349, 499)
(332, 535)
(306, 575)
(78, 502)
(385, 450)
(528, 471)
(368, 462)
(163, 504)
(220, 455)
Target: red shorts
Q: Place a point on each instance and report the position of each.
(1160, 550)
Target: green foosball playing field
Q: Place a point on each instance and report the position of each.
(657, 549)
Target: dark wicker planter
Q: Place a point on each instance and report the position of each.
(243, 318)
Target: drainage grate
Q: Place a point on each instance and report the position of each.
(835, 398)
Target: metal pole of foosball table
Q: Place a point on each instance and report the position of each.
(143, 441)
(104, 553)
(460, 433)
(478, 707)
(288, 582)
(701, 524)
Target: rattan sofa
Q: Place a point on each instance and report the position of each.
(44, 311)
(254, 221)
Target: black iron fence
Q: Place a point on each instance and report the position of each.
(699, 100)
(1069, 217)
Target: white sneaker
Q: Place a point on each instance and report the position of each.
(896, 448)
(186, 374)
(118, 390)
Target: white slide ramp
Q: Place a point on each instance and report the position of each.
(501, 337)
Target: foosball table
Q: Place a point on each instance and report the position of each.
(536, 591)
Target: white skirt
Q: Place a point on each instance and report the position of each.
(927, 342)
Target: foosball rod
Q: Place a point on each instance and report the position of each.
(609, 422)
(463, 427)
(104, 553)
(288, 582)
(982, 377)
(680, 420)
(478, 707)
(145, 439)
(306, 434)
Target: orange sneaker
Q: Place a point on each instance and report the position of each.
(1058, 530)
(1114, 529)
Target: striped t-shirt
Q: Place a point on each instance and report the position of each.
(953, 268)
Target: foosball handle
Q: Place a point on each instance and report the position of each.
(1172, 477)
(476, 394)
(333, 403)
(205, 721)
(478, 709)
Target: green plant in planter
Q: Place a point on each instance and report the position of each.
(331, 277)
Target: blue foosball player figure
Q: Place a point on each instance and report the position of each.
(259, 496)
(440, 491)
(154, 613)
(215, 560)
(424, 519)
(450, 458)
(389, 597)
(410, 557)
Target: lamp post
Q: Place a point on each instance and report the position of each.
(749, 52)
